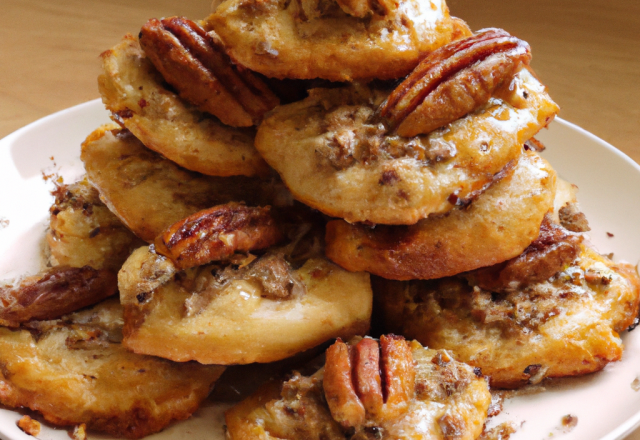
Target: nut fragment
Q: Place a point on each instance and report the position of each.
(216, 233)
(29, 426)
(194, 62)
(79, 432)
(453, 81)
(369, 381)
(357, 8)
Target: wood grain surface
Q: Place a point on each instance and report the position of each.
(586, 51)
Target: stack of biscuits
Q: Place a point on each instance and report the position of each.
(283, 177)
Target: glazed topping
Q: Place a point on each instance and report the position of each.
(217, 233)
(453, 81)
(271, 273)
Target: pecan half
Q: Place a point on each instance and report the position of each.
(453, 81)
(217, 233)
(554, 249)
(195, 63)
(369, 381)
(56, 292)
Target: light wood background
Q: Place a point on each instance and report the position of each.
(586, 51)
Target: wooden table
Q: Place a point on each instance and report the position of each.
(586, 51)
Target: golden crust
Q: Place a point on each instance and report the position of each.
(218, 316)
(75, 372)
(307, 39)
(84, 232)
(449, 398)
(133, 91)
(565, 326)
(334, 159)
(497, 226)
(88, 245)
(150, 193)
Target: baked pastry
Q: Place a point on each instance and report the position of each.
(149, 193)
(88, 244)
(500, 224)
(519, 333)
(75, 371)
(338, 40)
(135, 92)
(236, 312)
(425, 394)
(333, 155)
(84, 232)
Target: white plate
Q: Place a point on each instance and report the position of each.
(606, 405)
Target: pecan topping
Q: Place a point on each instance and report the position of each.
(55, 292)
(194, 62)
(572, 219)
(554, 248)
(356, 8)
(369, 381)
(453, 81)
(217, 233)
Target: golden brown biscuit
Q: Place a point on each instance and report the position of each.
(150, 193)
(84, 232)
(497, 226)
(448, 400)
(339, 40)
(75, 371)
(262, 311)
(88, 245)
(334, 157)
(567, 325)
(135, 93)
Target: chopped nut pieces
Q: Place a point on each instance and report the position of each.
(217, 233)
(572, 219)
(194, 62)
(569, 422)
(453, 81)
(367, 380)
(79, 432)
(29, 426)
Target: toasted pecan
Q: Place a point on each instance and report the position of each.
(217, 233)
(551, 252)
(369, 380)
(195, 63)
(56, 292)
(453, 81)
